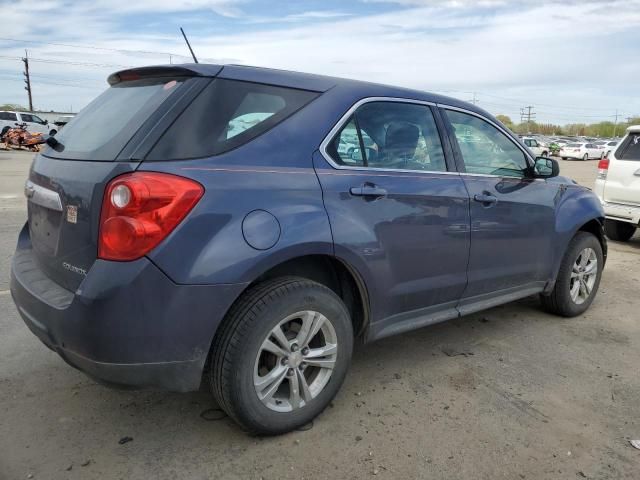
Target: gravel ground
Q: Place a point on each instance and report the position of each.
(507, 393)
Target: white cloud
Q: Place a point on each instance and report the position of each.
(573, 60)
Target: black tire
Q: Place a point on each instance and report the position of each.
(247, 325)
(586, 157)
(564, 158)
(544, 154)
(559, 301)
(619, 231)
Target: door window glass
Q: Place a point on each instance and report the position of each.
(398, 136)
(485, 149)
(8, 116)
(345, 147)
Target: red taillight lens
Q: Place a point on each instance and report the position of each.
(603, 168)
(140, 209)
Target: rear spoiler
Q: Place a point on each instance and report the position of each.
(159, 71)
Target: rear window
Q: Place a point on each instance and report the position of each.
(102, 129)
(227, 114)
(630, 148)
(8, 116)
(574, 145)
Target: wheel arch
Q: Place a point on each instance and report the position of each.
(334, 273)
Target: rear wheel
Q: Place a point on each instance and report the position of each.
(281, 355)
(619, 231)
(564, 158)
(578, 278)
(544, 154)
(586, 157)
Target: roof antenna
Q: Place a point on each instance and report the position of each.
(189, 45)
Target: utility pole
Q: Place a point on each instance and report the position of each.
(615, 124)
(526, 113)
(474, 100)
(27, 80)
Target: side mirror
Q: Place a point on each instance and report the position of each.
(546, 168)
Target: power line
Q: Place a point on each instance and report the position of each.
(93, 47)
(69, 62)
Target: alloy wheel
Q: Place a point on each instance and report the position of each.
(583, 276)
(295, 361)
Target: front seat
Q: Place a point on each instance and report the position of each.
(401, 140)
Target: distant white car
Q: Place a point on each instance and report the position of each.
(581, 151)
(618, 187)
(539, 149)
(34, 123)
(610, 147)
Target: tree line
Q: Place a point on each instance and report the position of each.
(601, 129)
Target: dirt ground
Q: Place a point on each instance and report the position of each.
(508, 393)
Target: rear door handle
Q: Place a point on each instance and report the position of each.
(368, 191)
(485, 198)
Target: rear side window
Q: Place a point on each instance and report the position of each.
(8, 116)
(227, 114)
(102, 128)
(630, 148)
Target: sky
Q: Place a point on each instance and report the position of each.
(573, 61)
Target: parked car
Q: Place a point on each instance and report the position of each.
(618, 187)
(33, 122)
(580, 151)
(539, 149)
(164, 248)
(610, 147)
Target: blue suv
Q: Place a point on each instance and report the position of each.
(240, 227)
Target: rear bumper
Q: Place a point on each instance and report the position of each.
(622, 212)
(127, 323)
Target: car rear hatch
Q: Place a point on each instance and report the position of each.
(623, 176)
(67, 180)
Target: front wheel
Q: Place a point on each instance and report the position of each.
(578, 278)
(619, 231)
(281, 355)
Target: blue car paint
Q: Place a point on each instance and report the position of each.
(423, 254)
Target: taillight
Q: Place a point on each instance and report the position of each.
(603, 167)
(140, 209)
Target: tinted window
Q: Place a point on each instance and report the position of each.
(27, 117)
(630, 148)
(102, 128)
(485, 149)
(399, 136)
(8, 116)
(227, 114)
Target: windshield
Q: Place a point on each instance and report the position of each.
(575, 145)
(102, 129)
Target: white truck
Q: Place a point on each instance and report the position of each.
(618, 187)
(34, 123)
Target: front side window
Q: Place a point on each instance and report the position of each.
(27, 117)
(226, 115)
(397, 136)
(485, 149)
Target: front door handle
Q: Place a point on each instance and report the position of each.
(368, 190)
(486, 199)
